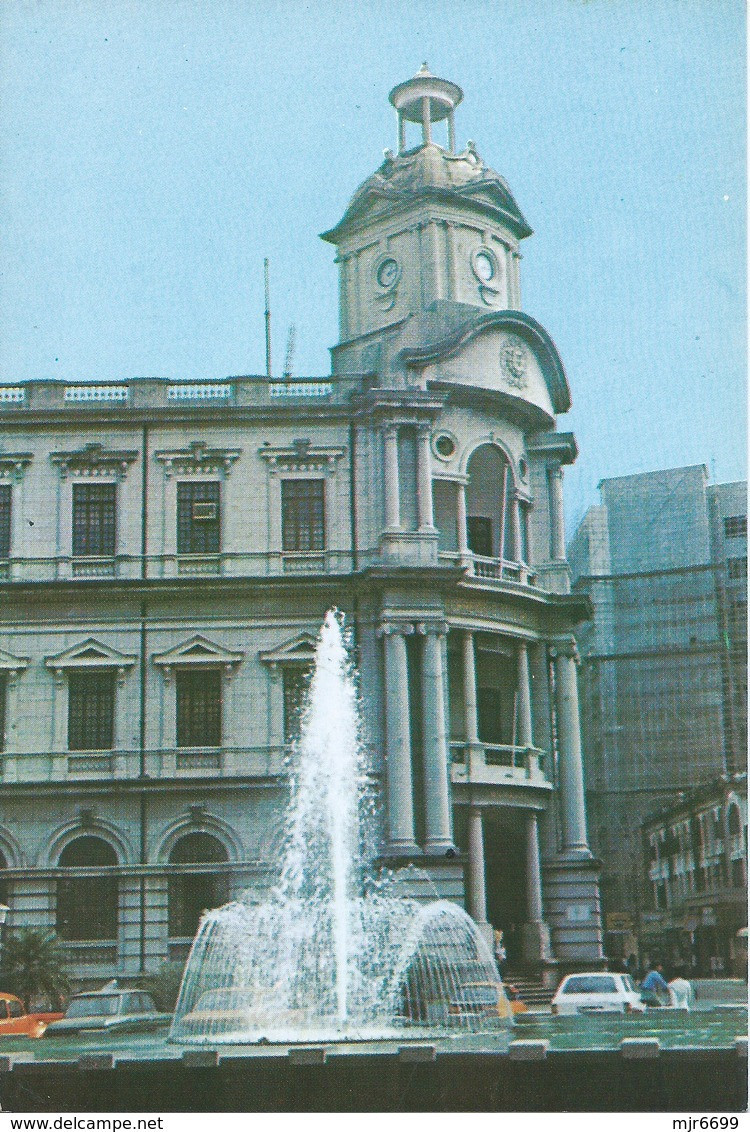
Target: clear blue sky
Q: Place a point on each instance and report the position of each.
(152, 153)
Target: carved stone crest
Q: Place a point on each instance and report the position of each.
(515, 363)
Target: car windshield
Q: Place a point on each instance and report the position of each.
(628, 983)
(93, 1006)
(590, 984)
(477, 995)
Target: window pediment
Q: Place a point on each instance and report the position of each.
(94, 460)
(12, 664)
(90, 654)
(301, 456)
(299, 650)
(14, 464)
(198, 650)
(197, 459)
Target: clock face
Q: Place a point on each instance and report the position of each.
(484, 266)
(388, 273)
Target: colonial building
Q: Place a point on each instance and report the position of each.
(663, 677)
(169, 550)
(696, 917)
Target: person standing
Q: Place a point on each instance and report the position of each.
(680, 993)
(654, 988)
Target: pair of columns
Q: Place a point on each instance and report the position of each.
(425, 519)
(570, 773)
(477, 896)
(516, 554)
(438, 834)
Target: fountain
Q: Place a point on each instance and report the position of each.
(337, 951)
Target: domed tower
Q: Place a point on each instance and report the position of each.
(428, 256)
(458, 489)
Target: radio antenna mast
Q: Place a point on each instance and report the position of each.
(268, 320)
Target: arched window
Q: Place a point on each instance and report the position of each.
(87, 905)
(490, 499)
(192, 893)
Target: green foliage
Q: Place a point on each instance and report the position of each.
(164, 985)
(32, 964)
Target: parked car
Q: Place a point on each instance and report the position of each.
(15, 1020)
(597, 992)
(113, 1011)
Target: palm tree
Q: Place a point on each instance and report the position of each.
(33, 963)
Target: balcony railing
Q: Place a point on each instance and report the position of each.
(167, 394)
(164, 763)
(496, 763)
(495, 569)
(56, 568)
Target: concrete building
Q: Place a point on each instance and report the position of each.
(170, 549)
(663, 678)
(697, 872)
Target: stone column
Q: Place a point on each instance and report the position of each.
(461, 528)
(426, 124)
(438, 838)
(477, 897)
(392, 506)
(557, 512)
(401, 133)
(533, 870)
(425, 520)
(525, 725)
(535, 933)
(515, 516)
(573, 809)
(398, 742)
(470, 688)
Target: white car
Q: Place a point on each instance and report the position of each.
(597, 992)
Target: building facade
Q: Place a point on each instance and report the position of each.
(169, 550)
(663, 678)
(697, 871)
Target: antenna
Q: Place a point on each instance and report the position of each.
(289, 352)
(268, 320)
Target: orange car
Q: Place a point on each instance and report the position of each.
(14, 1020)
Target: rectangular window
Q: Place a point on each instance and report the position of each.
(91, 711)
(199, 517)
(735, 526)
(302, 515)
(94, 509)
(5, 506)
(296, 681)
(737, 567)
(199, 708)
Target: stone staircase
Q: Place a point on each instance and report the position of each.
(532, 992)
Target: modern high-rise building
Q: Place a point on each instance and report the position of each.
(169, 548)
(663, 677)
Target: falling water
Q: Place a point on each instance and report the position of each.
(334, 951)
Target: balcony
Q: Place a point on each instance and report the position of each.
(492, 569)
(228, 564)
(491, 764)
(164, 394)
(163, 764)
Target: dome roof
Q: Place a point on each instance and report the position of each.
(433, 171)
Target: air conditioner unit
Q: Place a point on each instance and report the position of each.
(205, 512)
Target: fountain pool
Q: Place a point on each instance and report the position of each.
(336, 951)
